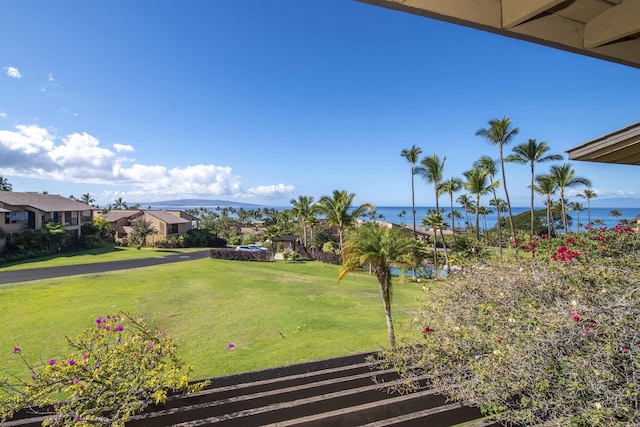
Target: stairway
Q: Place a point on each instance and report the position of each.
(332, 392)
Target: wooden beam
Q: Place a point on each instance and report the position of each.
(515, 12)
(614, 24)
(483, 13)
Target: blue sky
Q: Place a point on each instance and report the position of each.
(260, 102)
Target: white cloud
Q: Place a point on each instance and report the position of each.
(32, 151)
(3, 115)
(51, 78)
(13, 72)
(123, 147)
(272, 191)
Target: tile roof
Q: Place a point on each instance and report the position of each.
(116, 214)
(167, 217)
(43, 202)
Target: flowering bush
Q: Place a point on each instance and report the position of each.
(555, 340)
(113, 370)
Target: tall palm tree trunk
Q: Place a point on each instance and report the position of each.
(532, 215)
(384, 280)
(563, 210)
(453, 220)
(495, 200)
(478, 217)
(506, 195)
(413, 204)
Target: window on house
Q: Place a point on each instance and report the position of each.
(172, 228)
(12, 217)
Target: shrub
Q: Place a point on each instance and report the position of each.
(170, 243)
(330, 247)
(327, 257)
(555, 340)
(112, 371)
(239, 255)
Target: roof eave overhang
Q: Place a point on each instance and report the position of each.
(611, 36)
(619, 147)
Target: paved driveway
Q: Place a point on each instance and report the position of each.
(100, 267)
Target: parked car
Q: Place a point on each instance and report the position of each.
(251, 248)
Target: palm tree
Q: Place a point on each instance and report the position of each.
(401, 216)
(431, 169)
(454, 215)
(476, 183)
(338, 210)
(490, 165)
(564, 177)
(381, 248)
(435, 220)
(466, 203)
(119, 204)
(484, 211)
(576, 206)
(588, 194)
(450, 186)
(501, 207)
(412, 154)
(87, 199)
(4, 184)
(615, 213)
(530, 153)
(546, 186)
(142, 229)
(501, 133)
(303, 209)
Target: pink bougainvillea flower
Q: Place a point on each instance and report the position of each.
(84, 356)
(575, 317)
(75, 380)
(500, 339)
(150, 346)
(16, 350)
(571, 240)
(427, 330)
(231, 346)
(118, 328)
(52, 362)
(72, 362)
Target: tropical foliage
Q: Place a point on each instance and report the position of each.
(112, 371)
(340, 211)
(554, 341)
(380, 249)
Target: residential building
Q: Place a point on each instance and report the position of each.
(32, 211)
(167, 223)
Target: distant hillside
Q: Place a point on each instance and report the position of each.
(197, 203)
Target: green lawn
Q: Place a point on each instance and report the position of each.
(105, 253)
(275, 313)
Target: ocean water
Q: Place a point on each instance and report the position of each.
(391, 214)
